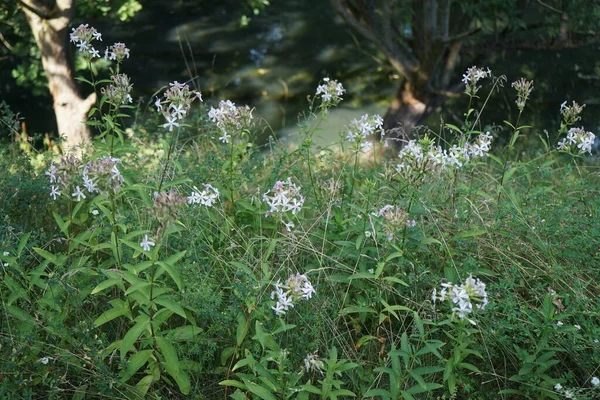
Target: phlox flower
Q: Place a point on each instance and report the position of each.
(117, 52)
(206, 197)
(331, 92)
(78, 194)
(82, 36)
(284, 196)
(466, 297)
(230, 119)
(146, 243)
(472, 76)
(296, 287)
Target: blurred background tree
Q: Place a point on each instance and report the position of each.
(426, 41)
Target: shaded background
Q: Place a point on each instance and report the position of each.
(277, 60)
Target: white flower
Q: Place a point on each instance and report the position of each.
(568, 394)
(312, 363)
(289, 226)
(6, 254)
(78, 193)
(146, 243)
(558, 387)
(171, 122)
(95, 212)
(44, 360)
(205, 197)
(577, 326)
(54, 193)
(559, 323)
(595, 381)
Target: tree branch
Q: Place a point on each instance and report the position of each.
(398, 53)
(37, 9)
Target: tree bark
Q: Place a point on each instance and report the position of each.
(409, 109)
(50, 30)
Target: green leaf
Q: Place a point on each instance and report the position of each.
(471, 233)
(259, 391)
(143, 324)
(134, 363)
(357, 309)
(106, 284)
(171, 305)
(233, 383)
(22, 244)
(242, 329)
(454, 128)
(172, 273)
(109, 315)
(172, 366)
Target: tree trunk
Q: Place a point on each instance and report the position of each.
(50, 30)
(409, 109)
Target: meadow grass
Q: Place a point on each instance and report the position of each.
(186, 261)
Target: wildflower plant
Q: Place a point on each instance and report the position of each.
(464, 298)
(330, 92)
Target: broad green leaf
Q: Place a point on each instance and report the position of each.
(172, 273)
(106, 284)
(172, 366)
(260, 391)
(171, 305)
(233, 383)
(143, 324)
(134, 363)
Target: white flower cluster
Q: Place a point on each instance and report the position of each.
(465, 297)
(331, 92)
(230, 119)
(176, 103)
(472, 76)
(206, 197)
(395, 218)
(359, 129)
(297, 287)
(571, 114)
(117, 93)
(117, 52)
(284, 196)
(524, 89)
(98, 176)
(82, 36)
(578, 138)
(313, 363)
(424, 156)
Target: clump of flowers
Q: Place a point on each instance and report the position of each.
(230, 119)
(283, 197)
(97, 176)
(571, 114)
(471, 77)
(117, 52)
(359, 129)
(331, 92)
(206, 197)
(395, 218)
(313, 363)
(577, 140)
(167, 204)
(119, 91)
(83, 36)
(296, 287)
(421, 157)
(464, 298)
(524, 89)
(103, 175)
(176, 103)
